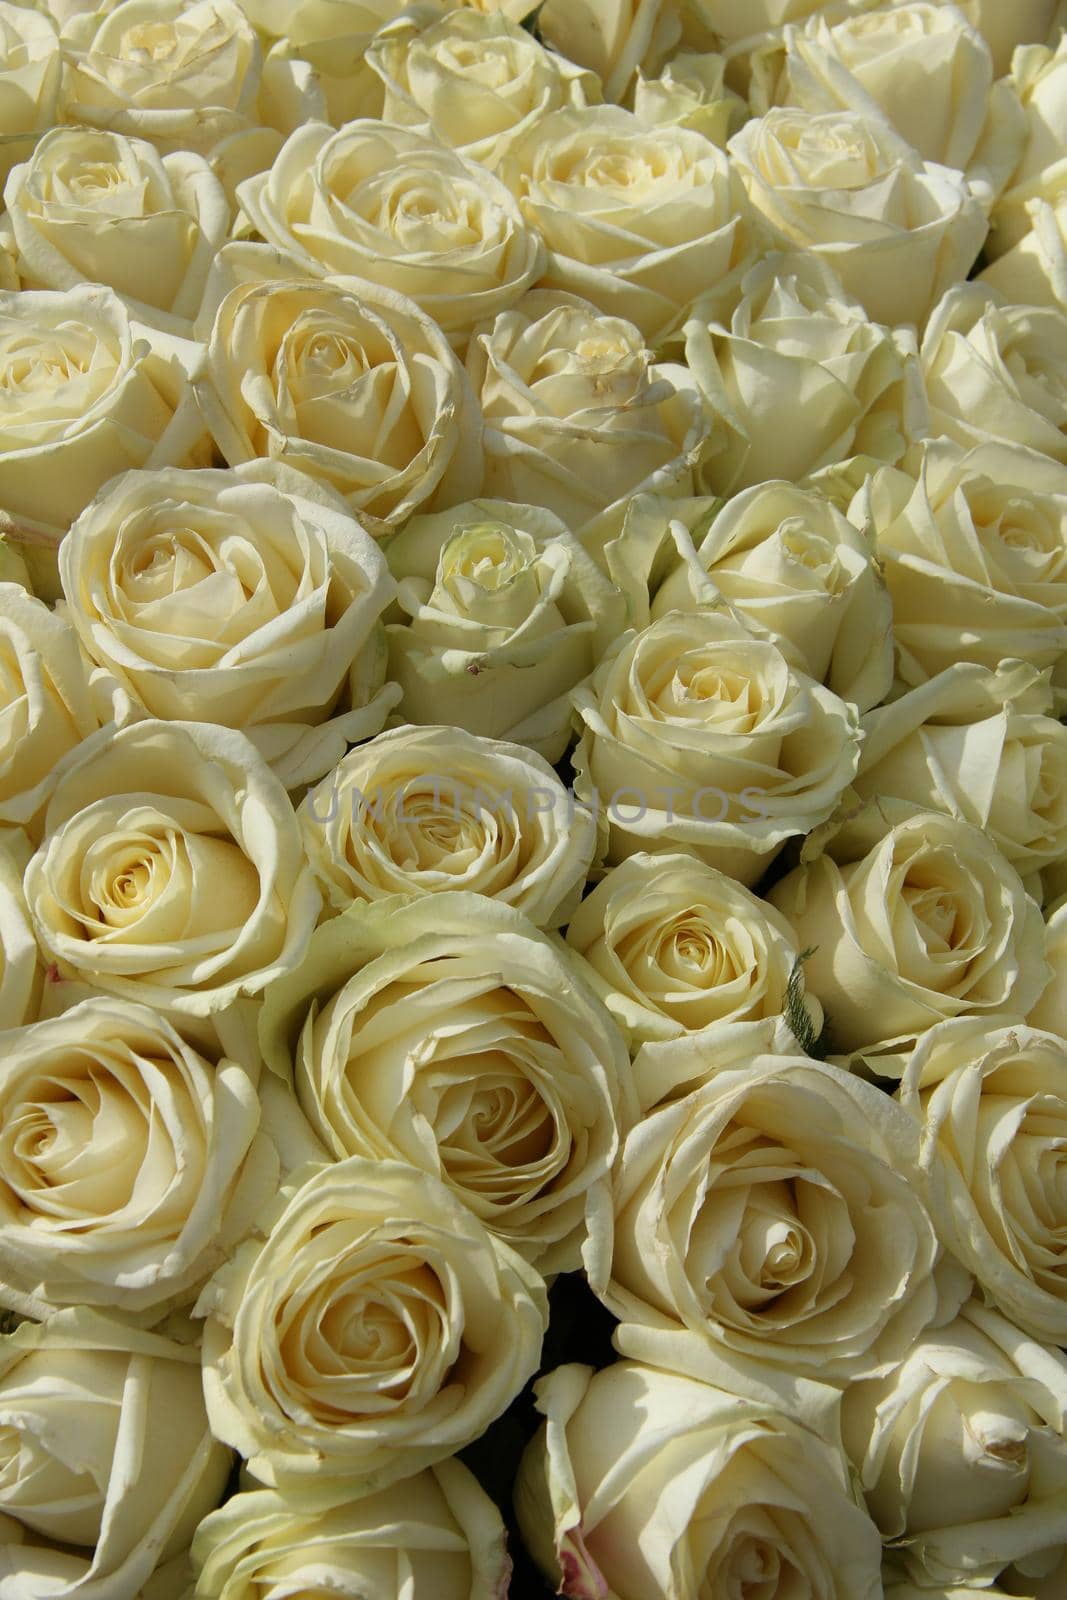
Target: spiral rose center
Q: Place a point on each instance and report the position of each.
(752, 1571)
(150, 41)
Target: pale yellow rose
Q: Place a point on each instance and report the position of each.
(646, 1483)
(910, 926)
(974, 552)
(130, 1163)
(897, 230)
(92, 205)
(31, 68)
(695, 734)
(248, 598)
(961, 1452)
(798, 574)
(578, 417)
(349, 383)
(47, 705)
(171, 870)
(1050, 1012)
(639, 220)
(616, 39)
(980, 746)
(477, 78)
(420, 810)
(81, 399)
(743, 20)
(691, 92)
(332, 38)
(453, 1035)
(434, 1536)
(374, 1330)
(108, 1463)
(1039, 77)
(1004, 27)
(20, 969)
(503, 614)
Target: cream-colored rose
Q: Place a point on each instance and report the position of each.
(376, 1329)
(980, 746)
(770, 1211)
(675, 947)
(691, 92)
(130, 1164)
(647, 1483)
(990, 1101)
(349, 383)
(974, 552)
(452, 1035)
(578, 417)
(1039, 77)
(961, 1451)
(332, 37)
(20, 970)
(799, 574)
(248, 597)
(639, 220)
(1049, 1014)
(81, 399)
(477, 78)
(1004, 27)
(435, 1536)
(420, 810)
(741, 21)
(31, 68)
(919, 923)
(503, 614)
(996, 373)
(394, 207)
(616, 39)
(695, 734)
(802, 377)
(184, 76)
(897, 230)
(172, 870)
(922, 67)
(46, 702)
(93, 206)
(106, 1460)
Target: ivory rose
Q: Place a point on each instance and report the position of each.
(376, 1329)
(1038, 75)
(394, 207)
(502, 613)
(909, 926)
(434, 1536)
(453, 1035)
(31, 70)
(97, 207)
(171, 870)
(616, 39)
(20, 971)
(417, 811)
(332, 38)
(1050, 1012)
(697, 734)
(108, 1463)
(249, 598)
(647, 1483)
(691, 92)
(351, 384)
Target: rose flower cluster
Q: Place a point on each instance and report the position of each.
(533, 799)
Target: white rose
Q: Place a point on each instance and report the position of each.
(691, 92)
(1050, 1012)
(420, 810)
(980, 746)
(81, 399)
(577, 416)
(46, 702)
(332, 38)
(991, 1107)
(909, 927)
(1038, 77)
(171, 870)
(613, 38)
(962, 1454)
(802, 377)
(697, 734)
(248, 598)
(94, 206)
(454, 1036)
(1005, 27)
(646, 1483)
(637, 220)
(770, 1212)
(394, 207)
(375, 1330)
(743, 20)
(31, 67)
(675, 947)
(434, 1536)
(351, 384)
(974, 555)
(897, 230)
(797, 573)
(138, 1219)
(20, 972)
(107, 1460)
(477, 78)
(504, 613)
